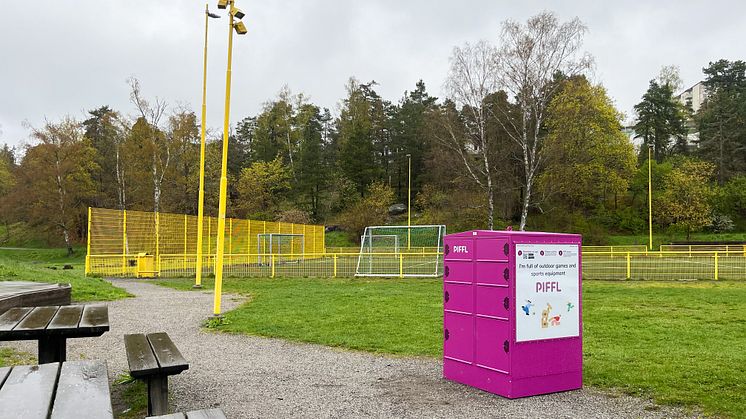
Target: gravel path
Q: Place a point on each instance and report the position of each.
(257, 377)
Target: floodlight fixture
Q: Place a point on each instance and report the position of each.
(212, 15)
(222, 4)
(237, 13)
(240, 28)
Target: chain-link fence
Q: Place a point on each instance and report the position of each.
(117, 240)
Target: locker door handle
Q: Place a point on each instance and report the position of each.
(446, 297)
(506, 303)
(506, 346)
(447, 335)
(506, 274)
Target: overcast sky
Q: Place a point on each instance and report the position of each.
(66, 57)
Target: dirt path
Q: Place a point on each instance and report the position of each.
(257, 377)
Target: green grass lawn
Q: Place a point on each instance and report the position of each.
(45, 265)
(679, 343)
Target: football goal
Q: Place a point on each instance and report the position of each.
(401, 251)
(284, 247)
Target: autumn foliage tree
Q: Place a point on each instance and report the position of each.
(686, 200)
(56, 179)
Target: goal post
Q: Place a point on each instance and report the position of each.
(285, 246)
(405, 251)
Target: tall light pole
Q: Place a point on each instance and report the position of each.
(650, 197)
(409, 201)
(241, 30)
(201, 205)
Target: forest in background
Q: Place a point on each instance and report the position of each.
(522, 138)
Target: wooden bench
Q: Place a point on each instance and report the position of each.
(194, 414)
(51, 326)
(75, 389)
(152, 358)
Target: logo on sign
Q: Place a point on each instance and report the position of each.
(460, 249)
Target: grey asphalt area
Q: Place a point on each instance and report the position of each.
(252, 377)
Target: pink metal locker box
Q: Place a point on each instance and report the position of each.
(512, 320)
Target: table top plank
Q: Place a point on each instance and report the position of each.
(83, 391)
(10, 318)
(68, 317)
(95, 317)
(28, 391)
(177, 415)
(206, 414)
(140, 356)
(38, 319)
(4, 371)
(168, 355)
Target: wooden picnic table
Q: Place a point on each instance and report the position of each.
(52, 326)
(75, 389)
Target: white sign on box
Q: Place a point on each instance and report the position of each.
(546, 291)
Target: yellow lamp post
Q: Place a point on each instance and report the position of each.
(650, 197)
(409, 201)
(240, 29)
(201, 205)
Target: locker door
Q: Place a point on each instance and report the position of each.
(494, 301)
(458, 337)
(493, 344)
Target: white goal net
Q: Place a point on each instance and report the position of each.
(401, 251)
(283, 247)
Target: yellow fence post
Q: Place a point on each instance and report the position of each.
(401, 265)
(716, 266)
(185, 243)
(629, 266)
(272, 262)
(124, 242)
(335, 265)
(88, 246)
(157, 243)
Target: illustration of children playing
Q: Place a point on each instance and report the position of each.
(527, 308)
(545, 316)
(556, 320)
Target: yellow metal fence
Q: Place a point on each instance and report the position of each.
(274, 265)
(115, 238)
(664, 265)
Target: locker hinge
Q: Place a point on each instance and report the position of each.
(446, 297)
(506, 249)
(446, 271)
(506, 274)
(506, 303)
(446, 334)
(506, 346)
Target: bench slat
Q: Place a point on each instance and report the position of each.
(169, 358)
(67, 317)
(140, 356)
(38, 319)
(95, 317)
(27, 392)
(206, 414)
(83, 391)
(10, 318)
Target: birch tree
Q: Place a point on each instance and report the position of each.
(526, 62)
(471, 79)
(160, 150)
(56, 178)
